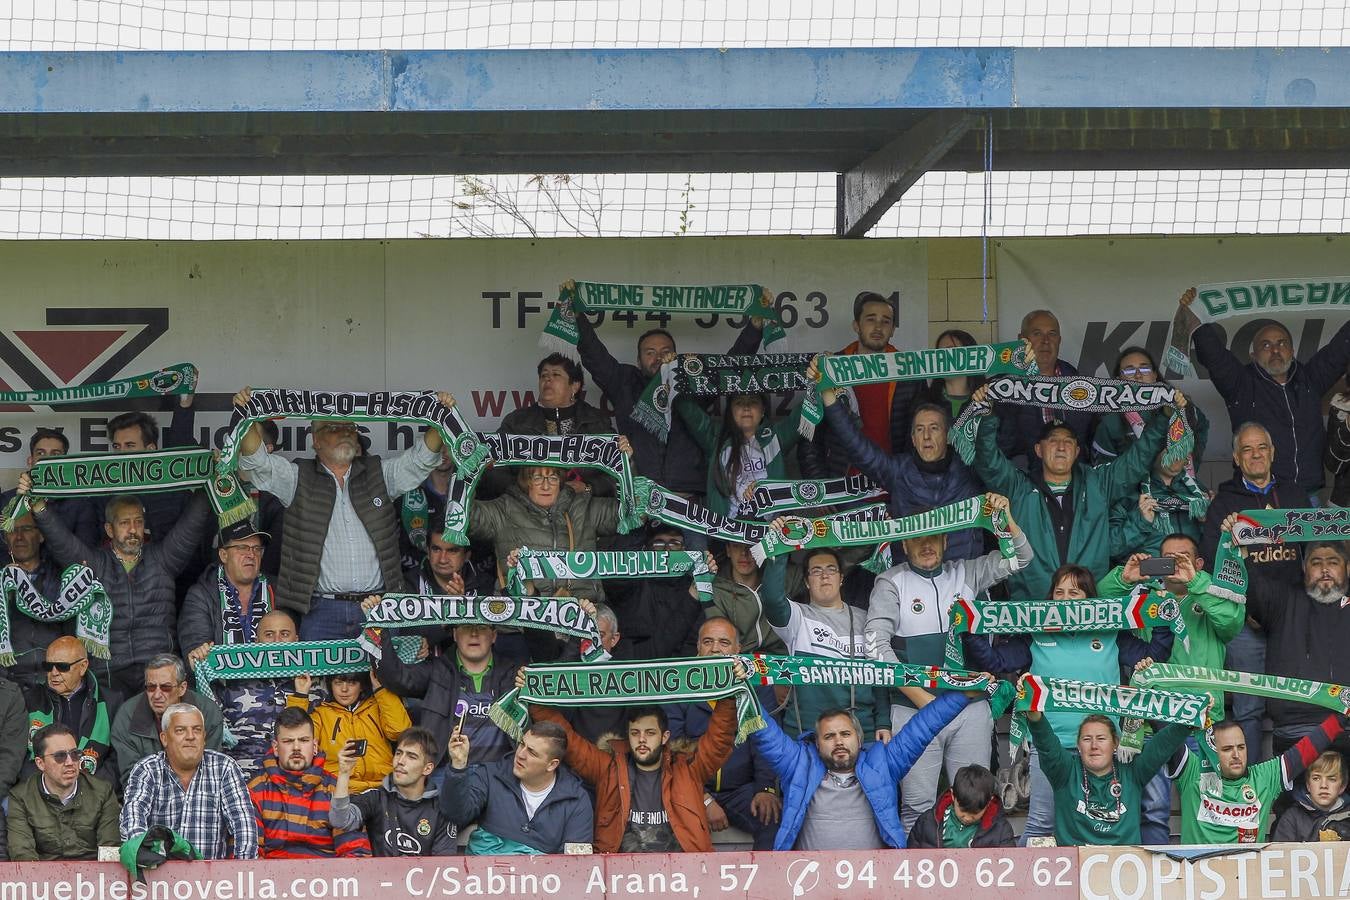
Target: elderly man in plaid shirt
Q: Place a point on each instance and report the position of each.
(199, 793)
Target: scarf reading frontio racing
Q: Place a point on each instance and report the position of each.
(658, 681)
(176, 379)
(131, 473)
(799, 533)
(408, 407)
(1035, 692)
(672, 509)
(847, 370)
(773, 496)
(577, 297)
(82, 598)
(231, 662)
(1080, 394)
(711, 375)
(561, 615)
(1146, 606)
(1232, 299)
(586, 564)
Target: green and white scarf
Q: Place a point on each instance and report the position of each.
(1230, 571)
(1145, 607)
(659, 681)
(561, 615)
(1036, 692)
(176, 379)
(82, 598)
(798, 533)
(712, 375)
(1189, 499)
(1076, 393)
(577, 297)
(847, 370)
(232, 662)
(772, 496)
(414, 513)
(666, 506)
(407, 407)
(1271, 526)
(1233, 299)
(1172, 677)
(586, 564)
(58, 477)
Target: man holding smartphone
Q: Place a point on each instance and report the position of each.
(402, 815)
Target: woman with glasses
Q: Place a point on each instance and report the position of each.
(1116, 431)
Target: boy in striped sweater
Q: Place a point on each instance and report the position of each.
(292, 795)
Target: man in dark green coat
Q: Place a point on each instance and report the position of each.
(61, 812)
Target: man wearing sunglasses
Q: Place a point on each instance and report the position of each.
(73, 697)
(60, 812)
(135, 729)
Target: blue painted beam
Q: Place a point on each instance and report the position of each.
(712, 80)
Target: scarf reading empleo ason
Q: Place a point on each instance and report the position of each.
(710, 375)
(1271, 526)
(847, 370)
(176, 379)
(672, 509)
(1042, 694)
(798, 533)
(560, 615)
(59, 477)
(82, 598)
(232, 662)
(575, 297)
(602, 564)
(1233, 299)
(1079, 394)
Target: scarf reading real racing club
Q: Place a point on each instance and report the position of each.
(82, 598)
(712, 375)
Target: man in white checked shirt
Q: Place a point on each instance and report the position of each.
(199, 793)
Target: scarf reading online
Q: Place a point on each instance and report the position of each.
(176, 379)
(588, 564)
(711, 375)
(82, 598)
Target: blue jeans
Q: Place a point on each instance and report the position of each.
(1247, 653)
(331, 620)
(1041, 810)
(1154, 823)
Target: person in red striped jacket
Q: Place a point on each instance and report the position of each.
(292, 795)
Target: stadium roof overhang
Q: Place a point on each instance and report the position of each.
(880, 117)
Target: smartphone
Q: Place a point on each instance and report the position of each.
(358, 746)
(1158, 567)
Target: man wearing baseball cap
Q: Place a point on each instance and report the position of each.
(228, 601)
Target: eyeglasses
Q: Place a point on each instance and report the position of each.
(50, 664)
(162, 688)
(1137, 370)
(822, 571)
(246, 549)
(545, 478)
(61, 757)
(671, 544)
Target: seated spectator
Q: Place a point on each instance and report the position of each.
(446, 568)
(968, 815)
(228, 601)
(28, 636)
(527, 803)
(659, 617)
(403, 814)
(1018, 426)
(82, 515)
(199, 794)
(907, 619)
(292, 797)
(1170, 501)
(648, 794)
(736, 596)
(135, 728)
(742, 449)
(1116, 431)
(842, 794)
(358, 709)
(250, 705)
(72, 697)
(1097, 797)
(1225, 801)
(60, 812)
(1319, 811)
(744, 792)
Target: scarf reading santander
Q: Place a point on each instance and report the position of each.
(1080, 394)
(843, 371)
(712, 375)
(575, 297)
(175, 379)
(232, 662)
(773, 496)
(799, 533)
(82, 598)
(562, 615)
(1041, 694)
(588, 564)
(659, 681)
(58, 477)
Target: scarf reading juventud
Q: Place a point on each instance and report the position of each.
(658, 681)
(176, 379)
(134, 473)
(574, 297)
(1076, 393)
(798, 533)
(846, 370)
(1036, 692)
(82, 598)
(407, 407)
(1146, 606)
(773, 496)
(1228, 300)
(711, 375)
(561, 615)
(231, 662)
(587, 564)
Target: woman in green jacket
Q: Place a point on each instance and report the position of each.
(742, 450)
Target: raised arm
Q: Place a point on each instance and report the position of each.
(464, 794)
(1224, 369)
(606, 371)
(1056, 762)
(1159, 749)
(583, 757)
(993, 468)
(870, 459)
(712, 750)
(1295, 760)
(782, 753)
(773, 593)
(182, 541)
(1328, 364)
(700, 424)
(1132, 650)
(396, 675)
(1013, 655)
(1124, 473)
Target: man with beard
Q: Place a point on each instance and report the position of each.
(1020, 424)
(342, 531)
(28, 636)
(292, 797)
(402, 815)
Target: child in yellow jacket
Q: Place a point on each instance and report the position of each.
(359, 708)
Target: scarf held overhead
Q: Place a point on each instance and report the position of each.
(175, 379)
(1270, 526)
(1172, 677)
(231, 662)
(666, 506)
(82, 598)
(1041, 694)
(712, 375)
(587, 564)
(773, 496)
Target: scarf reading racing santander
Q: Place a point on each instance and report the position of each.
(1035, 692)
(82, 598)
(711, 375)
(176, 379)
(588, 564)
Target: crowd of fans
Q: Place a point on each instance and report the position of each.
(402, 759)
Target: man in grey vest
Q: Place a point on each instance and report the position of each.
(342, 525)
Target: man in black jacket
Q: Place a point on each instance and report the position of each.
(403, 815)
(1019, 425)
(29, 637)
(72, 697)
